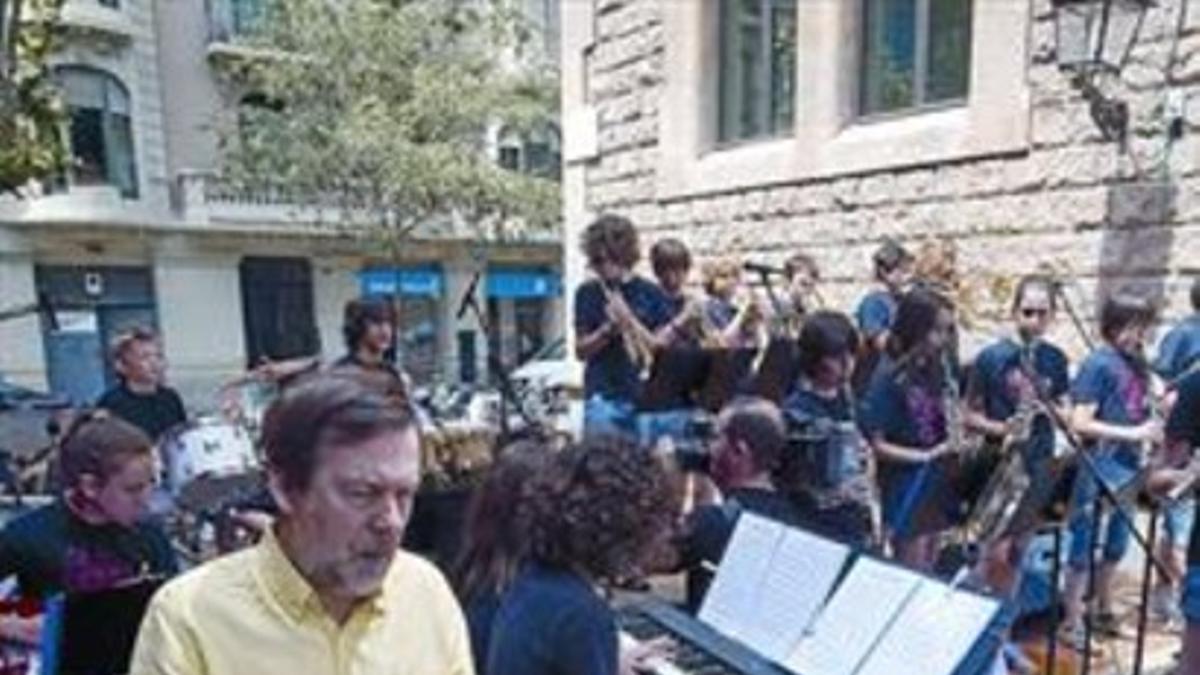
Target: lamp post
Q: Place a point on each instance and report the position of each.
(1096, 37)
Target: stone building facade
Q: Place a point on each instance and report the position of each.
(1016, 172)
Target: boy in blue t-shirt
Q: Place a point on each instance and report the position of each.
(1111, 398)
(877, 310)
(1182, 440)
(1020, 373)
(616, 314)
(1180, 347)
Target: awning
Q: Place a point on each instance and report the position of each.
(424, 281)
(516, 283)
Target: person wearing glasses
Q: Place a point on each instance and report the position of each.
(616, 315)
(1012, 377)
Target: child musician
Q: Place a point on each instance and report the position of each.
(1111, 399)
(615, 316)
(1012, 380)
(825, 466)
(908, 414)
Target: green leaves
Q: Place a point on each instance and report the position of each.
(31, 112)
(387, 107)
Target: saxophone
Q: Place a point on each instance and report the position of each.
(635, 339)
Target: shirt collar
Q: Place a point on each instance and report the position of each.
(292, 591)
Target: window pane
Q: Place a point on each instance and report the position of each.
(890, 35)
(510, 157)
(118, 146)
(87, 146)
(783, 65)
(757, 68)
(949, 50)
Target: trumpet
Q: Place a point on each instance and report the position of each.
(637, 341)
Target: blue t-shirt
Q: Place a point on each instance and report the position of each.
(1120, 391)
(551, 622)
(876, 313)
(1179, 349)
(1184, 426)
(480, 613)
(906, 410)
(999, 380)
(610, 372)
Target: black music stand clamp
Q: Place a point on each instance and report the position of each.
(508, 393)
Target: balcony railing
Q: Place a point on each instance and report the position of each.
(231, 20)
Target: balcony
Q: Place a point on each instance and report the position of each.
(202, 199)
(101, 19)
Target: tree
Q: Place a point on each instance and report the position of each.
(379, 110)
(31, 112)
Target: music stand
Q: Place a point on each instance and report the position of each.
(727, 370)
(677, 375)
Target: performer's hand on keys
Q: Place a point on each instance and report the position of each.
(1150, 431)
(642, 657)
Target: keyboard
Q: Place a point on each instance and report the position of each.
(699, 650)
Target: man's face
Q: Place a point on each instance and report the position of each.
(124, 496)
(607, 268)
(729, 460)
(1034, 313)
(898, 278)
(1132, 338)
(346, 527)
(142, 363)
(378, 336)
(801, 286)
(725, 283)
(835, 370)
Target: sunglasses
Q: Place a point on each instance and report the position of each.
(1032, 312)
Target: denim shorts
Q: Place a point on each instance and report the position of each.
(1191, 596)
(1177, 522)
(1116, 470)
(609, 416)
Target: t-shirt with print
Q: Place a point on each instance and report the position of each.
(1001, 383)
(610, 372)
(154, 413)
(50, 550)
(551, 622)
(1120, 391)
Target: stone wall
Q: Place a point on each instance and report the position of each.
(1110, 219)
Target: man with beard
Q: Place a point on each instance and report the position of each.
(326, 590)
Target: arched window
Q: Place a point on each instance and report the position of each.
(101, 129)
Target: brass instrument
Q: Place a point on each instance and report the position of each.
(637, 341)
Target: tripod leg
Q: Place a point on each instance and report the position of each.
(1147, 580)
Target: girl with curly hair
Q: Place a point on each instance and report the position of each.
(592, 517)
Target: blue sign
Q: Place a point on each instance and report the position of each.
(421, 281)
(516, 283)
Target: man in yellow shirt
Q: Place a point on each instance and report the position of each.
(326, 590)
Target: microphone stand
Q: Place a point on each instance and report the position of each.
(1057, 289)
(1105, 493)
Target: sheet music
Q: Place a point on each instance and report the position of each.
(792, 591)
(869, 598)
(730, 604)
(933, 633)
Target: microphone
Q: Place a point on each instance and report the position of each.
(468, 296)
(46, 309)
(760, 268)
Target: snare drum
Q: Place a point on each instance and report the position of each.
(209, 448)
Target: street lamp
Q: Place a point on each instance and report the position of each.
(1096, 36)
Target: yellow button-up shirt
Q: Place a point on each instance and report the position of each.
(252, 613)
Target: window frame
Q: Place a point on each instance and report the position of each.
(764, 77)
(921, 42)
(109, 82)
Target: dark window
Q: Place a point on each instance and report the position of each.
(916, 53)
(277, 307)
(538, 153)
(229, 19)
(757, 84)
(101, 131)
(112, 4)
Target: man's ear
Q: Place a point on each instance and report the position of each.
(279, 492)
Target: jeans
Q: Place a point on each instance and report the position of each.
(609, 416)
(1116, 470)
(673, 424)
